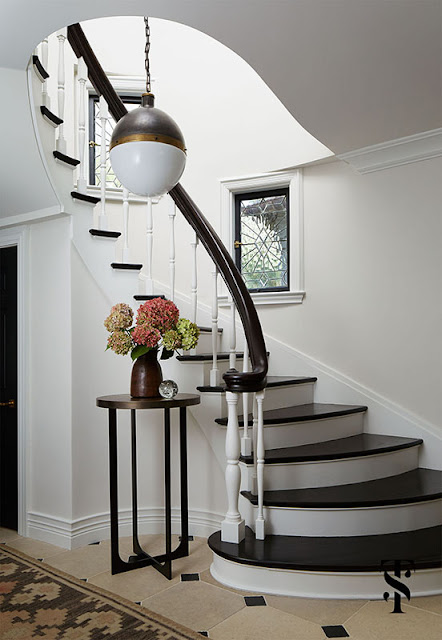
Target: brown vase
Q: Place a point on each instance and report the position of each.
(146, 376)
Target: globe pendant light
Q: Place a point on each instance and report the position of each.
(147, 149)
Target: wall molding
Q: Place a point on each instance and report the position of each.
(72, 534)
(394, 153)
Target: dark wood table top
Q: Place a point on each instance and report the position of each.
(125, 401)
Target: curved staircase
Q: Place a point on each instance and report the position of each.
(340, 505)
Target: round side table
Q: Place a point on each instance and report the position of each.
(163, 562)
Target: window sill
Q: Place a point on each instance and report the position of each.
(270, 298)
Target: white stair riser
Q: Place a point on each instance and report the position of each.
(223, 366)
(301, 475)
(205, 342)
(277, 397)
(274, 399)
(298, 433)
(317, 584)
(344, 522)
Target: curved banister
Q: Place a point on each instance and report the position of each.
(254, 380)
(236, 381)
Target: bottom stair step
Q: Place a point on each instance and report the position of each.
(329, 567)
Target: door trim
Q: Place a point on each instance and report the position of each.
(19, 237)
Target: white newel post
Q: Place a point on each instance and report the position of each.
(232, 356)
(194, 291)
(61, 142)
(45, 100)
(214, 373)
(125, 257)
(233, 526)
(104, 115)
(260, 453)
(82, 77)
(149, 247)
(172, 216)
(246, 441)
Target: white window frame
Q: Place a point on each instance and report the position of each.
(294, 181)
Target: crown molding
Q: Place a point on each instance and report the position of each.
(421, 146)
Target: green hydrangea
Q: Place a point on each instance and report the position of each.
(172, 340)
(189, 333)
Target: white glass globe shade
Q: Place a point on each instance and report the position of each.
(147, 168)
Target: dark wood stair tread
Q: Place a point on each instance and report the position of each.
(272, 382)
(209, 330)
(340, 553)
(41, 71)
(101, 233)
(85, 197)
(72, 162)
(143, 296)
(362, 444)
(303, 413)
(126, 266)
(418, 485)
(206, 357)
(46, 113)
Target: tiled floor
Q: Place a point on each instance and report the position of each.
(196, 600)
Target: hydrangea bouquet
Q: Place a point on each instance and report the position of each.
(157, 325)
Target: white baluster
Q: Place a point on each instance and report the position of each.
(214, 373)
(149, 247)
(45, 100)
(232, 527)
(172, 215)
(260, 453)
(246, 441)
(104, 116)
(254, 483)
(194, 291)
(82, 77)
(232, 356)
(61, 142)
(125, 257)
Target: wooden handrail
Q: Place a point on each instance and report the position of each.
(236, 381)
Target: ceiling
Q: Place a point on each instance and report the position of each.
(352, 72)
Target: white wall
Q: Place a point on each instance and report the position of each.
(373, 280)
(50, 350)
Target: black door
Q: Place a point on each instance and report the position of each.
(8, 389)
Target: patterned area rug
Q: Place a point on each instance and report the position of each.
(37, 601)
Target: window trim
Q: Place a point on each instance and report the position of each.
(261, 193)
(292, 179)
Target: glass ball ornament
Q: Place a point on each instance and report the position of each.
(168, 389)
(147, 150)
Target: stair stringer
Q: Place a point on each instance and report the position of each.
(383, 415)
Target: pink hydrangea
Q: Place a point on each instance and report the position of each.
(146, 335)
(158, 314)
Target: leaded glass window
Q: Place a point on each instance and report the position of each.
(96, 136)
(262, 239)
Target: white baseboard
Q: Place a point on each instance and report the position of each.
(77, 533)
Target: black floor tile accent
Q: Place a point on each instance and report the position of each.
(91, 544)
(255, 601)
(138, 603)
(83, 579)
(190, 577)
(204, 633)
(39, 559)
(335, 631)
(190, 538)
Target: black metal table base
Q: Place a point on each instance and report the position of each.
(163, 562)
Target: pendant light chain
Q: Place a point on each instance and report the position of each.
(146, 53)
